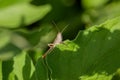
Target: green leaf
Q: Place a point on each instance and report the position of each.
(4, 3)
(0, 70)
(7, 68)
(40, 36)
(18, 68)
(4, 37)
(7, 48)
(41, 70)
(93, 3)
(98, 16)
(21, 13)
(93, 55)
(23, 67)
(109, 12)
(117, 75)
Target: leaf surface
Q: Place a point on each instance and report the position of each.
(93, 55)
(19, 68)
(20, 13)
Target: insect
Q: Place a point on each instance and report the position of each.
(57, 40)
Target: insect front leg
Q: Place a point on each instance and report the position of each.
(51, 45)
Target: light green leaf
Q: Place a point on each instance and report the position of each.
(4, 37)
(22, 13)
(18, 68)
(7, 48)
(4, 3)
(93, 3)
(98, 16)
(93, 55)
(23, 67)
(117, 75)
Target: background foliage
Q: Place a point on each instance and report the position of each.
(90, 50)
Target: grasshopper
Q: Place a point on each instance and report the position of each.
(57, 41)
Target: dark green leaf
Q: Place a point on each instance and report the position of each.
(41, 70)
(94, 54)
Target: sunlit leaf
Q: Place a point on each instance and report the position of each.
(23, 67)
(21, 13)
(20, 68)
(7, 48)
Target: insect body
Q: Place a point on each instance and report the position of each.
(57, 40)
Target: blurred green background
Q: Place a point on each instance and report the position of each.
(27, 24)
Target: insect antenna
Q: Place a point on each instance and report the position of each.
(58, 28)
(64, 28)
(55, 26)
